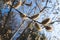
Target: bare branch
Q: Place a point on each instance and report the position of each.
(17, 31)
(8, 13)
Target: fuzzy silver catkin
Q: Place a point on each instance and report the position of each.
(34, 17)
(8, 2)
(18, 4)
(38, 27)
(46, 21)
(48, 28)
(22, 15)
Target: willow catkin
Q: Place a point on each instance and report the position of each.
(6, 1)
(34, 17)
(37, 38)
(38, 27)
(23, 2)
(46, 21)
(23, 15)
(48, 28)
(9, 31)
(17, 4)
(31, 25)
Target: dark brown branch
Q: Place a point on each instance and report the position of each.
(54, 21)
(8, 13)
(30, 17)
(29, 4)
(26, 16)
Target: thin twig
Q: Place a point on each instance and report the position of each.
(30, 17)
(44, 7)
(26, 16)
(24, 30)
(39, 8)
(54, 22)
(17, 30)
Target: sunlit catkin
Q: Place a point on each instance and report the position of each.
(34, 17)
(38, 27)
(23, 15)
(30, 25)
(46, 21)
(18, 4)
(6, 1)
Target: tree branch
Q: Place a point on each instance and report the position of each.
(16, 31)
